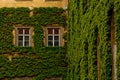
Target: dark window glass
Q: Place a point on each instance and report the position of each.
(23, 37)
(53, 36)
(20, 30)
(26, 30)
(50, 37)
(50, 31)
(27, 38)
(56, 43)
(20, 37)
(56, 37)
(20, 43)
(50, 43)
(26, 43)
(56, 31)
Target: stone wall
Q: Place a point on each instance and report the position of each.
(33, 3)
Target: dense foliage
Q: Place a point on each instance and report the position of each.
(89, 37)
(117, 25)
(49, 64)
(41, 17)
(36, 61)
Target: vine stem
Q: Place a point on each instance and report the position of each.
(113, 48)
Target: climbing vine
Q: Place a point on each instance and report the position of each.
(89, 24)
(38, 66)
(41, 17)
(117, 25)
(38, 61)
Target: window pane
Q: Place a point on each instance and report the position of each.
(50, 31)
(26, 30)
(20, 30)
(26, 43)
(56, 43)
(20, 43)
(56, 30)
(50, 43)
(26, 38)
(50, 37)
(20, 38)
(56, 37)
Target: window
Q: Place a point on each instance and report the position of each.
(53, 37)
(23, 37)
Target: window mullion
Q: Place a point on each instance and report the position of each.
(23, 38)
(47, 40)
(29, 38)
(59, 36)
(53, 37)
(17, 37)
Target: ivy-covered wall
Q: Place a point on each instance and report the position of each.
(39, 61)
(89, 39)
(117, 25)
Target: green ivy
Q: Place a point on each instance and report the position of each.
(49, 64)
(117, 25)
(39, 61)
(41, 17)
(88, 33)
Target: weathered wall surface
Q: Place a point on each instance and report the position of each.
(33, 3)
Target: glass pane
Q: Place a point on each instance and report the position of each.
(50, 37)
(26, 37)
(56, 30)
(26, 30)
(20, 43)
(56, 43)
(56, 37)
(50, 31)
(26, 43)
(50, 43)
(20, 30)
(20, 37)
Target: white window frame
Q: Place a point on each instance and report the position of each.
(23, 35)
(53, 35)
